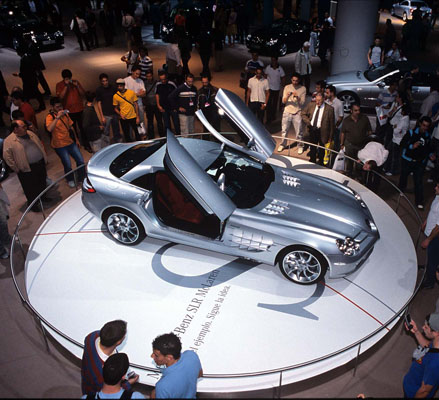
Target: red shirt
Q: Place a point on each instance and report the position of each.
(72, 101)
(29, 113)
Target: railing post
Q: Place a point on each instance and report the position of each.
(356, 359)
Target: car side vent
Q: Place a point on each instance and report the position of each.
(276, 207)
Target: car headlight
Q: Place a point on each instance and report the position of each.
(165, 29)
(348, 246)
(271, 42)
(58, 33)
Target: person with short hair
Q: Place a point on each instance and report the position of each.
(24, 153)
(92, 125)
(98, 347)
(71, 92)
(114, 372)
(130, 58)
(337, 105)
(354, 132)
(125, 105)
(151, 108)
(134, 83)
(179, 378)
(320, 88)
(431, 241)
(184, 99)
(144, 62)
(258, 94)
(206, 103)
(294, 99)
(415, 151)
(63, 140)
(373, 156)
(422, 379)
(164, 88)
(276, 79)
(107, 115)
(302, 65)
(375, 55)
(17, 98)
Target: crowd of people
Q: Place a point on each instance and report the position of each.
(138, 106)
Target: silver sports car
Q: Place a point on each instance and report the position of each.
(227, 198)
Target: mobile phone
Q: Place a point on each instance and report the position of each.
(408, 320)
(131, 374)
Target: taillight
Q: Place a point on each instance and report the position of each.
(87, 186)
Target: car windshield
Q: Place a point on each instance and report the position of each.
(17, 17)
(373, 74)
(418, 4)
(133, 157)
(246, 180)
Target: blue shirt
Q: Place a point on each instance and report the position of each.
(426, 370)
(180, 379)
(135, 395)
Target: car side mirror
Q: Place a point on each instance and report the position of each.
(381, 84)
(222, 181)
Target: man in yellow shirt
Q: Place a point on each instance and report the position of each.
(125, 105)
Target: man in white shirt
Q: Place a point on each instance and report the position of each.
(258, 94)
(276, 78)
(431, 242)
(431, 100)
(302, 65)
(337, 105)
(294, 99)
(134, 83)
(173, 61)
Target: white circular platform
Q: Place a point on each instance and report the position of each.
(241, 318)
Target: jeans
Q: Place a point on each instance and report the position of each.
(289, 119)
(64, 154)
(112, 120)
(432, 262)
(186, 124)
(418, 171)
(167, 115)
(77, 124)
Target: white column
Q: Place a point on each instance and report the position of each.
(355, 29)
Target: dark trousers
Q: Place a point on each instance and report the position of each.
(127, 125)
(167, 116)
(80, 133)
(306, 79)
(418, 171)
(211, 113)
(351, 151)
(255, 108)
(432, 262)
(205, 61)
(185, 62)
(394, 159)
(33, 182)
(372, 180)
(82, 37)
(272, 105)
(43, 82)
(93, 36)
(316, 152)
(151, 112)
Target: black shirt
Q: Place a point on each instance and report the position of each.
(164, 90)
(105, 96)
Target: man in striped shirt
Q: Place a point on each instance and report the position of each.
(144, 62)
(98, 346)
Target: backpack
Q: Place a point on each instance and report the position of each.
(126, 395)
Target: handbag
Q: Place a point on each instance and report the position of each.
(339, 161)
(327, 155)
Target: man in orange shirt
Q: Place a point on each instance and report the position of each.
(71, 92)
(63, 140)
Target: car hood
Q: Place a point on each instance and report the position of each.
(351, 77)
(315, 204)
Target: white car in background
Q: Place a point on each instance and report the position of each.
(404, 9)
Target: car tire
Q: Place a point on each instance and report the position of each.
(124, 226)
(348, 98)
(283, 49)
(302, 265)
(404, 17)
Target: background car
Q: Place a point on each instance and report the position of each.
(285, 35)
(227, 198)
(404, 9)
(364, 86)
(15, 24)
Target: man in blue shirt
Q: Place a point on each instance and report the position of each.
(422, 380)
(179, 378)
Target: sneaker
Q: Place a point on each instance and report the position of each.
(280, 148)
(420, 206)
(71, 184)
(389, 173)
(300, 150)
(5, 254)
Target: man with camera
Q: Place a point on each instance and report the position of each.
(294, 99)
(415, 152)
